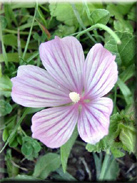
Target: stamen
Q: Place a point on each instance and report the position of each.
(75, 97)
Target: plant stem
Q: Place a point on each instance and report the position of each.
(104, 167)
(104, 27)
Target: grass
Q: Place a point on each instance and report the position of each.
(22, 28)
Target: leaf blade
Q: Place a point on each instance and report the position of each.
(66, 148)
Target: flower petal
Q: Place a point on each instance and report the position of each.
(100, 72)
(64, 60)
(34, 87)
(54, 126)
(93, 123)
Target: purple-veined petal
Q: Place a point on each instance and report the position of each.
(64, 60)
(93, 122)
(100, 72)
(34, 87)
(54, 126)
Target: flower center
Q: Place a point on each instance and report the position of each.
(75, 97)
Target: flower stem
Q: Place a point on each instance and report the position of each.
(104, 167)
(104, 27)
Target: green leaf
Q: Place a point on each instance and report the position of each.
(5, 134)
(3, 22)
(125, 91)
(132, 14)
(98, 147)
(120, 24)
(115, 119)
(81, 22)
(5, 107)
(4, 53)
(23, 5)
(66, 148)
(36, 146)
(19, 139)
(30, 147)
(26, 150)
(7, 14)
(20, 5)
(128, 73)
(100, 16)
(14, 143)
(64, 12)
(123, 26)
(14, 57)
(113, 11)
(119, 9)
(42, 17)
(64, 176)
(46, 164)
(117, 153)
(64, 30)
(27, 25)
(125, 52)
(128, 136)
(5, 86)
(10, 14)
(11, 40)
(0, 70)
(24, 177)
(11, 169)
(12, 134)
(130, 112)
(98, 164)
(124, 8)
(34, 110)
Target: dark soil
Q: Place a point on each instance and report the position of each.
(81, 165)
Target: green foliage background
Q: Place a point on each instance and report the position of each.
(22, 28)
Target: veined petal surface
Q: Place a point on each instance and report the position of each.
(34, 87)
(100, 72)
(93, 122)
(54, 126)
(64, 60)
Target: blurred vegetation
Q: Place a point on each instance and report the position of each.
(22, 28)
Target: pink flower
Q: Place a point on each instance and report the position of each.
(72, 86)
